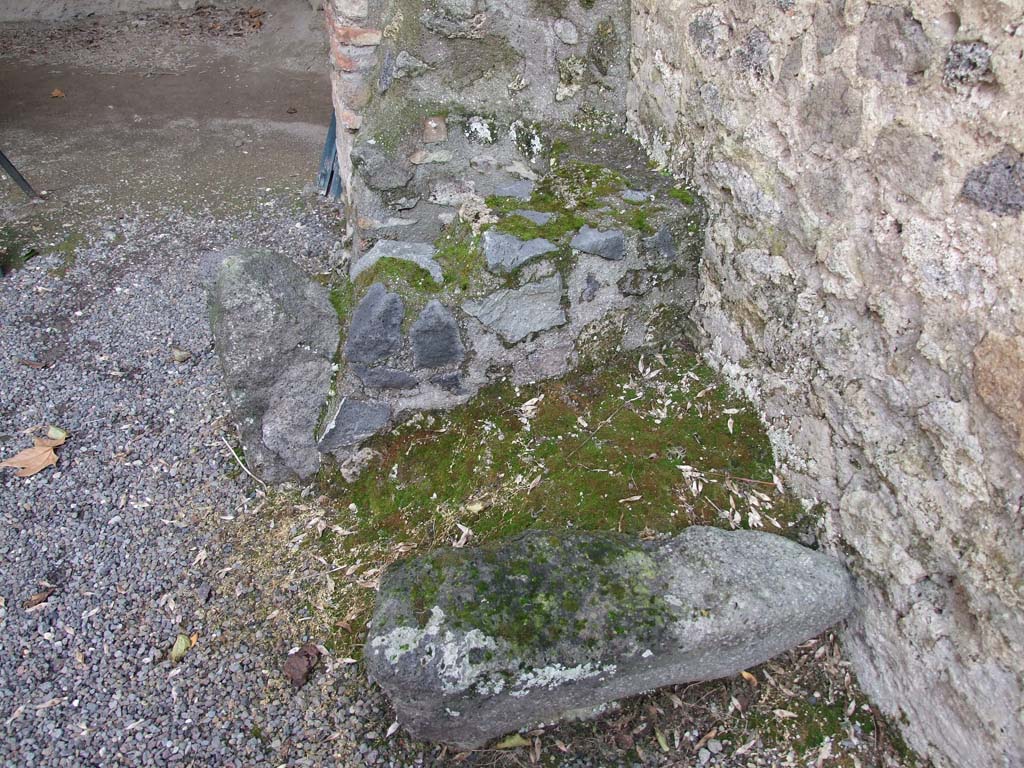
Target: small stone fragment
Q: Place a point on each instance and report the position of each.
(590, 288)
(636, 282)
(634, 196)
(180, 355)
(420, 254)
(424, 157)
(662, 244)
(354, 421)
(566, 31)
(608, 244)
(998, 185)
(516, 313)
(376, 326)
(967, 64)
(407, 65)
(435, 130)
(300, 664)
(505, 253)
(520, 190)
(537, 217)
(435, 337)
(385, 378)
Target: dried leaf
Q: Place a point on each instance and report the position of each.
(35, 459)
(181, 646)
(391, 730)
(38, 598)
(749, 677)
(56, 93)
(512, 742)
(784, 714)
(662, 741)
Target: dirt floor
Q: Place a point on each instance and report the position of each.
(198, 110)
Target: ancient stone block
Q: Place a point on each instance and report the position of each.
(516, 313)
(375, 331)
(998, 185)
(471, 644)
(385, 378)
(832, 112)
(893, 47)
(353, 422)
(998, 369)
(610, 244)
(420, 254)
(275, 333)
(505, 253)
(435, 337)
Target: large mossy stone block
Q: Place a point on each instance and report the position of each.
(471, 644)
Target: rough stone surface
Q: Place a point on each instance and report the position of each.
(537, 217)
(858, 281)
(375, 331)
(998, 185)
(435, 337)
(420, 254)
(353, 422)
(520, 189)
(471, 644)
(275, 333)
(515, 313)
(506, 253)
(385, 378)
(609, 245)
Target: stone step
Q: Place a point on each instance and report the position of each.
(471, 644)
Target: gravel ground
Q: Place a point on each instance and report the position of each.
(124, 528)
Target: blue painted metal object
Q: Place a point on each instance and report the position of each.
(20, 180)
(328, 179)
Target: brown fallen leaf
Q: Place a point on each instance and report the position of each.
(56, 93)
(35, 459)
(38, 598)
(301, 663)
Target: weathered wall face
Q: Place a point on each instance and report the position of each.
(863, 280)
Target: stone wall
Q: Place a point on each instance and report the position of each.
(862, 282)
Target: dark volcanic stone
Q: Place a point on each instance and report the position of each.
(376, 326)
(354, 421)
(435, 337)
(385, 378)
(998, 185)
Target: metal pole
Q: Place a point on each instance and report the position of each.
(8, 166)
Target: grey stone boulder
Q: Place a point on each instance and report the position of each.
(275, 334)
(608, 244)
(505, 253)
(435, 337)
(376, 327)
(471, 644)
(420, 254)
(515, 313)
(353, 422)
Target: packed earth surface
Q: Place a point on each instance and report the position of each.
(153, 589)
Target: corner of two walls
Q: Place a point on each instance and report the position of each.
(862, 281)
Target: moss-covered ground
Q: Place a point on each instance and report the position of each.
(650, 444)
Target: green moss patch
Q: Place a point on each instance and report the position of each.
(650, 444)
